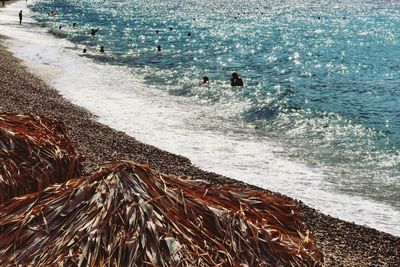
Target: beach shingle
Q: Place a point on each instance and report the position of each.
(343, 243)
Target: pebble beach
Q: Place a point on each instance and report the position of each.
(343, 243)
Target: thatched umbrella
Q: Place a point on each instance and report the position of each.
(128, 215)
(35, 151)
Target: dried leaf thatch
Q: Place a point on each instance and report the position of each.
(35, 152)
(129, 215)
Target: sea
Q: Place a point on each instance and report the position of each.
(318, 117)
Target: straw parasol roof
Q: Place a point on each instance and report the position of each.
(35, 151)
(129, 215)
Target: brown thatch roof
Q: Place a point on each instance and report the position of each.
(35, 152)
(129, 215)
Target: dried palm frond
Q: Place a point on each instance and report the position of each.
(35, 152)
(128, 215)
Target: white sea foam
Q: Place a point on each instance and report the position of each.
(174, 123)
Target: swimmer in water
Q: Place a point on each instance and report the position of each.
(236, 80)
(94, 31)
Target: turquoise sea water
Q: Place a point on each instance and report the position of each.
(321, 77)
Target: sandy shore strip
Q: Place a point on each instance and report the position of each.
(3, 3)
(343, 243)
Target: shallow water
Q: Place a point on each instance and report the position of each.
(316, 120)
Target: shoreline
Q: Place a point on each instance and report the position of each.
(100, 143)
(211, 142)
(7, 2)
(223, 143)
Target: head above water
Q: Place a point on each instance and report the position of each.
(94, 31)
(235, 75)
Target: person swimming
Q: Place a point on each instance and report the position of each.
(236, 80)
(94, 31)
(52, 13)
(159, 48)
(84, 50)
(102, 49)
(206, 80)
